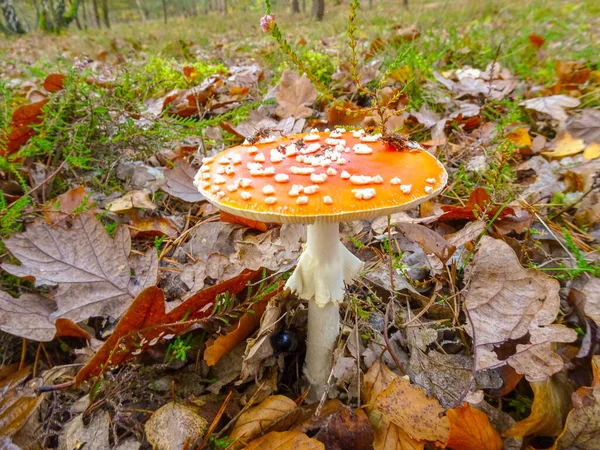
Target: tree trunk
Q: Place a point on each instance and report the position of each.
(96, 13)
(141, 10)
(85, 14)
(105, 13)
(13, 24)
(405, 3)
(295, 6)
(318, 9)
(225, 7)
(164, 5)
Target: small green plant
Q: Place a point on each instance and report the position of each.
(178, 349)
(158, 242)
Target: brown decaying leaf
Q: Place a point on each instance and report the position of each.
(536, 40)
(132, 199)
(408, 407)
(17, 401)
(175, 426)
(551, 404)
(506, 302)
(345, 113)
(582, 429)
(428, 240)
(29, 317)
(63, 206)
(54, 82)
(149, 227)
(478, 202)
(254, 420)
(571, 75)
(470, 429)
(180, 183)
(585, 126)
(565, 145)
(387, 435)
(553, 105)
(295, 95)
(591, 306)
(519, 137)
(146, 322)
(286, 440)
(92, 271)
(244, 328)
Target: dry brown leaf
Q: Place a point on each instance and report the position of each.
(585, 126)
(408, 407)
(428, 240)
(519, 137)
(18, 401)
(175, 426)
(551, 404)
(553, 105)
(286, 440)
(29, 317)
(470, 429)
(63, 206)
(133, 199)
(388, 436)
(295, 95)
(254, 420)
(505, 302)
(179, 182)
(93, 272)
(582, 430)
(591, 306)
(54, 82)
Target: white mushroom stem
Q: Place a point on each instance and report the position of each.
(323, 269)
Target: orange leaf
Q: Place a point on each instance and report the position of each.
(476, 205)
(149, 227)
(346, 113)
(245, 327)
(230, 218)
(66, 327)
(470, 429)
(23, 117)
(65, 205)
(519, 137)
(536, 40)
(145, 323)
(190, 73)
(54, 82)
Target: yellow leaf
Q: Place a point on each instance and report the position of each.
(551, 404)
(566, 145)
(287, 440)
(519, 137)
(591, 152)
(470, 429)
(409, 407)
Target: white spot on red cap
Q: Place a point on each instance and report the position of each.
(245, 195)
(362, 149)
(296, 190)
(327, 200)
(302, 170)
(406, 188)
(302, 200)
(318, 177)
(270, 200)
(364, 194)
(282, 178)
(345, 175)
(395, 181)
(268, 189)
(311, 137)
(259, 157)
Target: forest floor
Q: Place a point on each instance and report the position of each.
(161, 326)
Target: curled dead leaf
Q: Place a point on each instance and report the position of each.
(470, 429)
(286, 440)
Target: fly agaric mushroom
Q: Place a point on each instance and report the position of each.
(320, 179)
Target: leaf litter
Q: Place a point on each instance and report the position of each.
(489, 340)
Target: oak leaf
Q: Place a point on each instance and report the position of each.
(92, 271)
(506, 302)
(478, 203)
(470, 429)
(553, 105)
(295, 95)
(286, 440)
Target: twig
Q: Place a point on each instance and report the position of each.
(387, 339)
(23, 353)
(215, 421)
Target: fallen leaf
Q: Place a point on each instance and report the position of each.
(553, 105)
(345, 113)
(244, 328)
(63, 206)
(150, 227)
(536, 40)
(54, 82)
(21, 131)
(95, 434)
(146, 322)
(93, 272)
(29, 317)
(18, 400)
(180, 183)
(295, 95)
(592, 151)
(591, 307)
(286, 440)
(551, 404)
(565, 145)
(470, 429)
(519, 137)
(133, 199)
(478, 203)
(586, 126)
(582, 429)
(254, 420)
(428, 240)
(408, 407)
(506, 302)
(339, 427)
(571, 75)
(175, 426)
